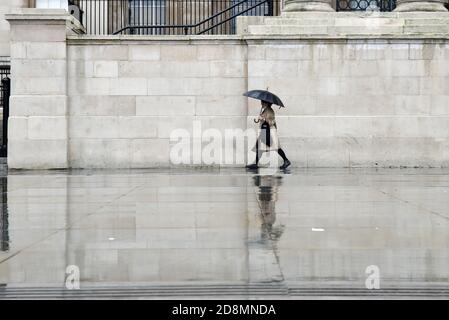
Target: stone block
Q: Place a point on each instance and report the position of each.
(46, 50)
(352, 127)
(167, 124)
(165, 105)
(38, 68)
(141, 69)
(98, 52)
(256, 52)
(38, 32)
(137, 127)
(150, 153)
(80, 69)
(144, 52)
(223, 52)
(105, 69)
(17, 128)
(221, 105)
(178, 52)
(47, 128)
(128, 86)
(94, 127)
(18, 50)
(42, 105)
(102, 105)
(289, 52)
(398, 51)
(405, 68)
(270, 68)
(184, 69)
(228, 69)
(29, 154)
(38, 86)
(226, 86)
(100, 153)
(439, 105)
(175, 86)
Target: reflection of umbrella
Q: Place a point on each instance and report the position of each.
(264, 95)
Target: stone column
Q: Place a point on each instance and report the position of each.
(418, 5)
(307, 5)
(37, 126)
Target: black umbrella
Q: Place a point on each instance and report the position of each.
(264, 95)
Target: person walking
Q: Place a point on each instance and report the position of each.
(267, 138)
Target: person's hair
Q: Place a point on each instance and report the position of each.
(268, 103)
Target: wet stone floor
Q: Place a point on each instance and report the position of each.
(211, 233)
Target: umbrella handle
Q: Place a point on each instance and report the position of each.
(256, 121)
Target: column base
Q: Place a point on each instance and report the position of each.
(307, 6)
(421, 6)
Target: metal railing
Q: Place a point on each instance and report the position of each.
(366, 5)
(4, 215)
(168, 17)
(5, 70)
(5, 90)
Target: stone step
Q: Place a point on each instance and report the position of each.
(287, 29)
(427, 29)
(425, 21)
(301, 22)
(326, 30)
(356, 21)
(362, 14)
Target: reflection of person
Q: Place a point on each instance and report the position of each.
(267, 138)
(267, 189)
(4, 227)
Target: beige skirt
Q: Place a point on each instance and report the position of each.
(274, 140)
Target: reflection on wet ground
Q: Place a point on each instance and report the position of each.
(226, 233)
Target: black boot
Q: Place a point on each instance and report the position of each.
(253, 166)
(287, 162)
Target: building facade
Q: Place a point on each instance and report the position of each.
(361, 88)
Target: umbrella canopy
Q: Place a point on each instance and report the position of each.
(264, 95)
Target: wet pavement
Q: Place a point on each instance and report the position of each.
(208, 233)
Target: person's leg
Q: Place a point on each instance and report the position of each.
(255, 165)
(282, 154)
(284, 157)
(258, 153)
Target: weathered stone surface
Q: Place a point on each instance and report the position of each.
(420, 5)
(38, 134)
(350, 101)
(307, 5)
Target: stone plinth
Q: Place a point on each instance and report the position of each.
(350, 24)
(414, 5)
(307, 5)
(38, 107)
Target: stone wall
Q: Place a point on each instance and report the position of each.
(350, 100)
(127, 97)
(358, 102)
(5, 7)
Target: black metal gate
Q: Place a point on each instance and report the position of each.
(5, 91)
(366, 5)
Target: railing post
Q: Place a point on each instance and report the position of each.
(6, 88)
(270, 8)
